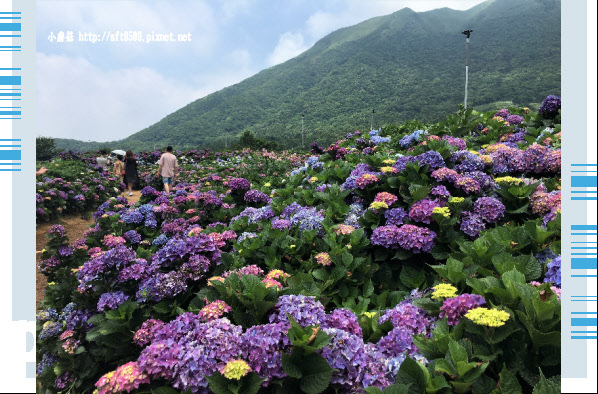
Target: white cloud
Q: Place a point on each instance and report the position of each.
(232, 8)
(78, 100)
(289, 45)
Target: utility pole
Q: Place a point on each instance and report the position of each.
(302, 133)
(372, 123)
(467, 34)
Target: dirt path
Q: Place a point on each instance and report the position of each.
(75, 227)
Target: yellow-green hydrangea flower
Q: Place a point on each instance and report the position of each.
(444, 290)
(488, 317)
(388, 161)
(444, 211)
(456, 200)
(370, 314)
(508, 179)
(235, 369)
(378, 205)
(389, 170)
(313, 179)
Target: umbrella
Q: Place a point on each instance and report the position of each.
(119, 152)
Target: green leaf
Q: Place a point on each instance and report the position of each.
(166, 390)
(546, 386)
(291, 364)
(373, 390)
(316, 374)
(347, 258)
(412, 277)
(218, 384)
(458, 352)
(397, 389)
(251, 384)
(445, 367)
(368, 289)
(508, 382)
(411, 373)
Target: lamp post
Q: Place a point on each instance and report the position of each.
(467, 34)
(302, 133)
(372, 123)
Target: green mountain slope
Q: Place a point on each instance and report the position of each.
(405, 65)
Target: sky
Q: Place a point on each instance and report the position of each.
(107, 90)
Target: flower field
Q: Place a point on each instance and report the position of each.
(73, 183)
(411, 259)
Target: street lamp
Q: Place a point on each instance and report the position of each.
(467, 33)
(372, 124)
(302, 133)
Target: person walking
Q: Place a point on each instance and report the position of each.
(130, 171)
(103, 161)
(119, 168)
(167, 166)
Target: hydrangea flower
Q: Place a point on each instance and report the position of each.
(472, 224)
(444, 290)
(304, 309)
(550, 107)
(111, 300)
(488, 317)
(323, 259)
(553, 274)
(489, 208)
(214, 310)
(386, 198)
(421, 211)
(263, 346)
(343, 319)
(455, 308)
(256, 196)
(395, 216)
(235, 369)
(127, 377)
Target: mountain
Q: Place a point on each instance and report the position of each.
(405, 65)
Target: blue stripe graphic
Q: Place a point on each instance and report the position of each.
(583, 227)
(584, 181)
(584, 264)
(584, 322)
(10, 27)
(10, 80)
(10, 154)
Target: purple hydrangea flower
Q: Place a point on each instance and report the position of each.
(514, 119)
(47, 361)
(111, 300)
(553, 274)
(343, 319)
(421, 211)
(550, 107)
(395, 216)
(472, 224)
(280, 224)
(431, 158)
(133, 236)
(489, 208)
(455, 308)
(263, 346)
(305, 310)
(256, 196)
(239, 185)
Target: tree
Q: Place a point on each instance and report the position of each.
(44, 148)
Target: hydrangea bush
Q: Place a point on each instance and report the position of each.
(422, 257)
